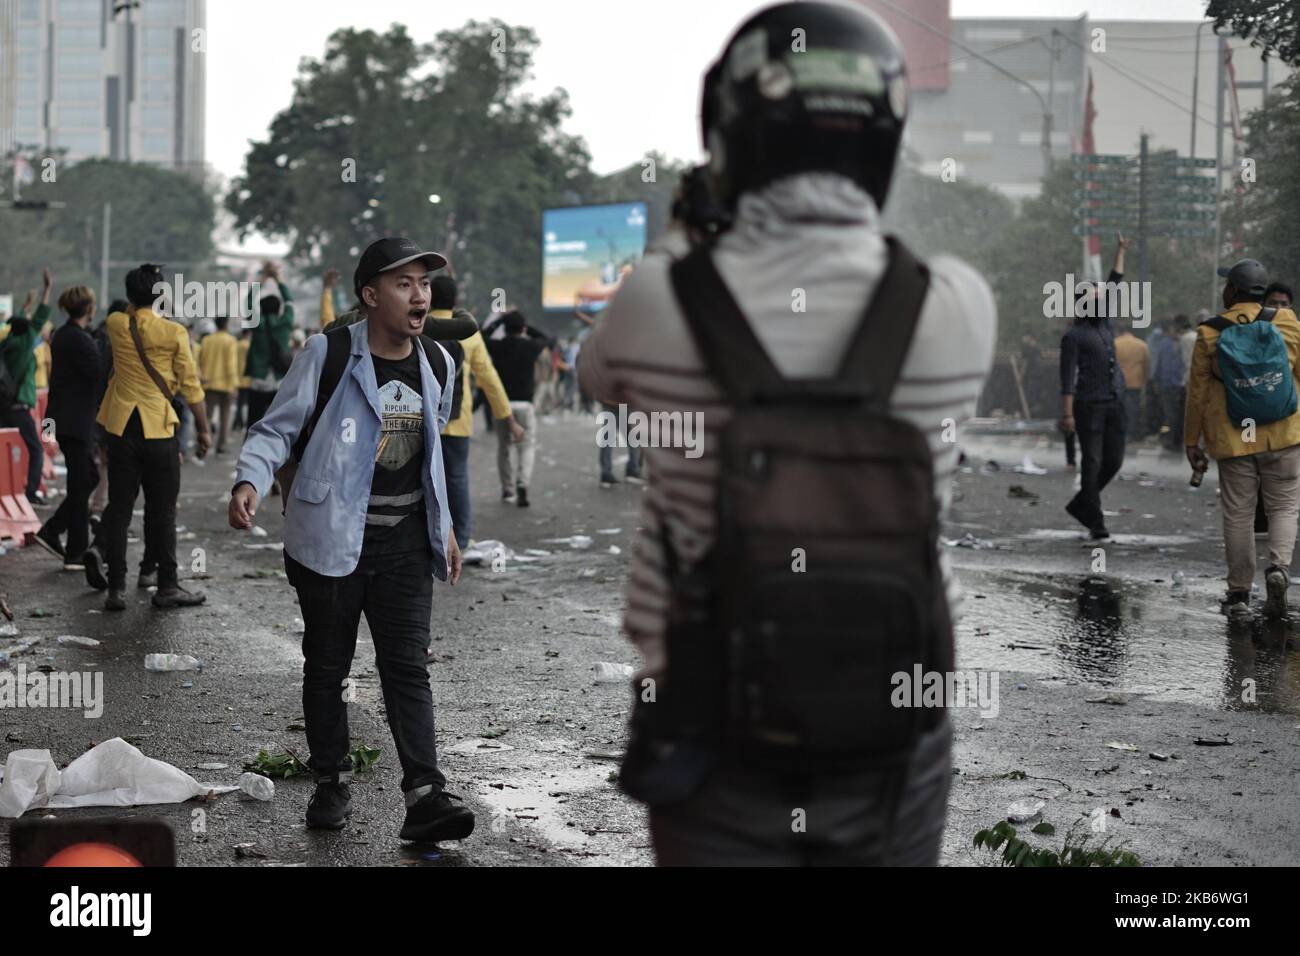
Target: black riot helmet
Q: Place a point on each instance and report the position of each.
(805, 87)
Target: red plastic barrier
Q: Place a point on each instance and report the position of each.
(16, 514)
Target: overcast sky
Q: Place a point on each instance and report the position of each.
(633, 78)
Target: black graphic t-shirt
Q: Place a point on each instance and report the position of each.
(395, 519)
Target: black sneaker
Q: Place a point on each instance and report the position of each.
(507, 495)
(1072, 509)
(608, 481)
(94, 564)
(330, 806)
(116, 600)
(434, 817)
(45, 541)
(1098, 534)
(147, 579)
(177, 597)
(521, 494)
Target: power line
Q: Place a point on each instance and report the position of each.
(1137, 82)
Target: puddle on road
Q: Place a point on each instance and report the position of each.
(1147, 640)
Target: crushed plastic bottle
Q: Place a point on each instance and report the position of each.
(257, 786)
(607, 673)
(172, 662)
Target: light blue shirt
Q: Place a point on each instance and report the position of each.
(325, 518)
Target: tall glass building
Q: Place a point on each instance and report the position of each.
(121, 79)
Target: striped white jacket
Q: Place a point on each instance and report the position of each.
(810, 240)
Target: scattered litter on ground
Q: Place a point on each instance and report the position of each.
(1020, 491)
(1119, 700)
(258, 531)
(267, 546)
(110, 774)
(969, 540)
(1025, 811)
(575, 541)
(609, 530)
(1212, 742)
(615, 549)
(1027, 467)
(280, 766)
(1158, 756)
(212, 766)
(172, 662)
(607, 673)
(9, 630)
(1116, 745)
(78, 641)
(256, 786)
(477, 745)
(245, 851)
(990, 467)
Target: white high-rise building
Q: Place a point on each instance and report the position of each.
(122, 79)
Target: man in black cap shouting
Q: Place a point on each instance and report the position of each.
(1241, 396)
(375, 441)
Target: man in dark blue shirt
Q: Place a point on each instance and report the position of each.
(1092, 393)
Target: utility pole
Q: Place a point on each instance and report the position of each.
(103, 260)
(1144, 172)
(1222, 48)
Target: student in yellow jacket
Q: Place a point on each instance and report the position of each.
(455, 437)
(219, 372)
(142, 442)
(1251, 459)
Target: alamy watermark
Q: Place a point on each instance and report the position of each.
(39, 690)
(1107, 300)
(207, 300)
(978, 689)
(637, 429)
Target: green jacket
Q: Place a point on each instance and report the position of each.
(270, 329)
(17, 352)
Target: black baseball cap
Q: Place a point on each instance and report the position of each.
(391, 253)
(1247, 275)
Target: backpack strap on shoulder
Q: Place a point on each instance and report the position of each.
(722, 334)
(878, 348)
(1218, 323)
(1266, 314)
(436, 360)
(338, 346)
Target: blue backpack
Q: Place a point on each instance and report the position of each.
(1256, 370)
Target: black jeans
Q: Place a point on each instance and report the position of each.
(20, 417)
(81, 455)
(1101, 428)
(133, 461)
(397, 600)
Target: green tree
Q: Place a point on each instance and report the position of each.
(960, 218)
(385, 136)
(159, 215)
(1271, 25)
(1263, 216)
(1040, 247)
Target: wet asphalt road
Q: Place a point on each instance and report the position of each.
(525, 734)
(1086, 658)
